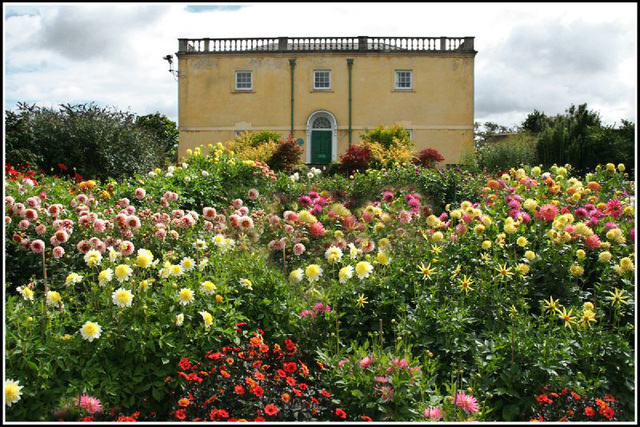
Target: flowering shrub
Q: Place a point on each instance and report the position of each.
(428, 157)
(259, 381)
(356, 158)
(286, 156)
(567, 405)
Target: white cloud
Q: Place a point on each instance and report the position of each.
(542, 56)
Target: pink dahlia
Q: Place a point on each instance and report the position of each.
(614, 208)
(305, 201)
(467, 402)
(413, 202)
(140, 193)
(30, 215)
(582, 213)
(343, 362)
(89, 404)
(307, 313)
(246, 222)
(366, 361)
(548, 212)
(58, 252)
(37, 246)
(209, 213)
(433, 413)
(592, 242)
(317, 230)
(254, 194)
(298, 249)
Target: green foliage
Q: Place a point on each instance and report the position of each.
(384, 385)
(516, 149)
(163, 129)
(578, 137)
(255, 139)
(95, 142)
(536, 122)
(389, 146)
(387, 136)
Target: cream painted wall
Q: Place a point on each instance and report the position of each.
(439, 108)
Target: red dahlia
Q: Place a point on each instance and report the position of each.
(271, 409)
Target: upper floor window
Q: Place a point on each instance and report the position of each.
(322, 79)
(244, 80)
(404, 79)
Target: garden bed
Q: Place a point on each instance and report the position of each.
(219, 290)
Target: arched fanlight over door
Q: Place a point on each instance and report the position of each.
(322, 138)
(321, 123)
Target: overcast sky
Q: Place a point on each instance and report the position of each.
(543, 56)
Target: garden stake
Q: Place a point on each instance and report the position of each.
(284, 259)
(513, 346)
(44, 274)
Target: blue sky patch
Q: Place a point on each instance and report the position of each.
(11, 11)
(200, 9)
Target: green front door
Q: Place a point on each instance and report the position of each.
(321, 146)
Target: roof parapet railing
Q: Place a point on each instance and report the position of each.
(327, 44)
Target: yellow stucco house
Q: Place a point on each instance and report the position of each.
(327, 91)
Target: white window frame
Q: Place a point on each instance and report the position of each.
(397, 80)
(314, 79)
(410, 134)
(235, 83)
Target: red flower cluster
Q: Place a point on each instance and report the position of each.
(567, 405)
(259, 381)
(22, 172)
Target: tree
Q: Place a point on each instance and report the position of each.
(482, 132)
(163, 129)
(94, 142)
(579, 138)
(535, 122)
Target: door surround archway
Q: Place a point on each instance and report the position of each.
(334, 132)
